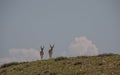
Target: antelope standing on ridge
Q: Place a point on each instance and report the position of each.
(51, 51)
(42, 52)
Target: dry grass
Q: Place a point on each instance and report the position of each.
(105, 64)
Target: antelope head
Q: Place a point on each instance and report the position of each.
(42, 48)
(52, 46)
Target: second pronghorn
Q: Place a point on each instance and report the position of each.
(51, 51)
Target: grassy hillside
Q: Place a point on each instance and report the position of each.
(106, 64)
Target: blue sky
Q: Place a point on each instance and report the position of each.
(28, 24)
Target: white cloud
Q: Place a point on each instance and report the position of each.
(5, 60)
(19, 55)
(24, 54)
(81, 46)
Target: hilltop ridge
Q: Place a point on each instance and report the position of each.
(105, 64)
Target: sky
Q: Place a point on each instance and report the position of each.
(76, 27)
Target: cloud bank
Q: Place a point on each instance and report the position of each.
(24, 54)
(19, 55)
(5, 60)
(81, 46)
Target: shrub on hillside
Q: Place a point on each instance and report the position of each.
(9, 64)
(106, 54)
(60, 58)
(48, 73)
(78, 63)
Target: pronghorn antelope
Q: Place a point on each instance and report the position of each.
(42, 52)
(51, 51)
